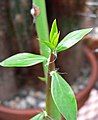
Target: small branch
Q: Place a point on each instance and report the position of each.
(51, 108)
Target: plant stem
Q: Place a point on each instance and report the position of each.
(43, 34)
(51, 108)
(42, 30)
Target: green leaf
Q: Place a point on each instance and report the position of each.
(42, 79)
(72, 38)
(63, 97)
(39, 116)
(50, 45)
(23, 60)
(55, 39)
(54, 36)
(54, 29)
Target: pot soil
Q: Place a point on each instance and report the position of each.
(13, 114)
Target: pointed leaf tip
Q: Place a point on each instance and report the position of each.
(39, 116)
(63, 97)
(54, 29)
(23, 60)
(72, 38)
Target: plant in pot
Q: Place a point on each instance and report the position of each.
(69, 19)
(55, 84)
(79, 49)
(60, 99)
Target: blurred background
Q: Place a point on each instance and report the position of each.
(18, 34)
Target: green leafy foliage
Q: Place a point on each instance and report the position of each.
(54, 30)
(54, 36)
(63, 97)
(55, 39)
(71, 39)
(50, 45)
(39, 116)
(23, 60)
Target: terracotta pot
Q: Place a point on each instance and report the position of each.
(83, 95)
(12, 114)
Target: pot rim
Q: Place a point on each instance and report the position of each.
(92, 78)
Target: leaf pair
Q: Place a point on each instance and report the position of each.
(54, 36)
(28, 59)
(62, 94)
(68, 41)
(23, 60)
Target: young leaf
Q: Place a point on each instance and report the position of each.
(39, 116)
(23, 60)
(50, 45)
(72, 38)
(55, 39)
(54, 29)
(63, 97)
(42, 79)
